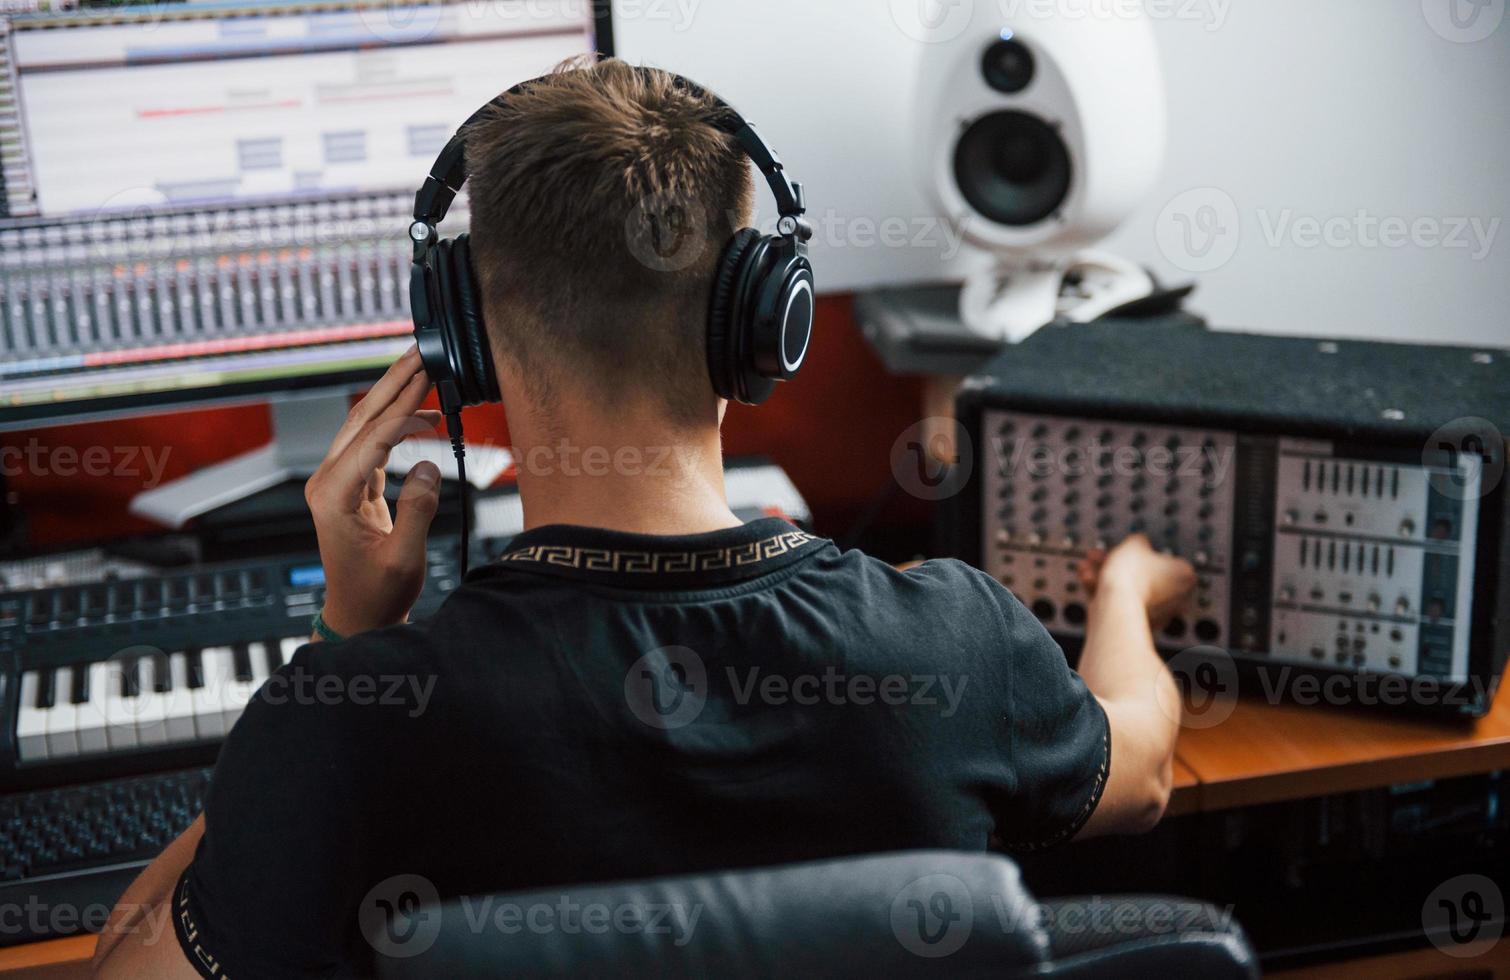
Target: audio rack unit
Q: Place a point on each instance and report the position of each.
(1343, 503)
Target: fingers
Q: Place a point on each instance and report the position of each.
(349, 476)
(393, 383)
(417, 503)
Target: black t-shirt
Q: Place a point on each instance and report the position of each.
(600, 705)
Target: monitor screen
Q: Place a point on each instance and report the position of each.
(209, 198)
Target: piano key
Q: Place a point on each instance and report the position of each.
(195, 664)
(151, 707)
(178, 712)
(47, 689)
(239, 692)
(79, 689)
(290, 644)
(274, 655)
(63, 718)
(130, 684)
(243, 662)
(162, 678)
(31, 722)
(120, 704)
(209, 700)
(91, 712)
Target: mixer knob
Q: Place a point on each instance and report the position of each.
(1138, 484)
(1172, 508)
(1374, 602)
(1040, 430)
(1040, 495)
(1402, 606)
(1292, 517)
(1135, 505)
(1072, 498)
(1407, 528)
(1201, 558)
(1072, 434)
(1287, 593)
(1071, 519)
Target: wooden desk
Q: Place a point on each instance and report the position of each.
(1267, 753)
(56, 959)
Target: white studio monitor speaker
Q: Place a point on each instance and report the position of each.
(1036, 139)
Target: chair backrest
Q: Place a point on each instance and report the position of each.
(911, 914)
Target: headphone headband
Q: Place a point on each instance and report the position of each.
(449, 172)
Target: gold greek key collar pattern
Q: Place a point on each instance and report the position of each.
(660, 562)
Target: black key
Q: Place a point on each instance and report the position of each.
(242, 657)
(131, 679)
(196, 670)
(162, 678)
(80, 692)
(47, 688)
(274, 655)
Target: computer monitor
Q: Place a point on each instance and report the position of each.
(208, 199)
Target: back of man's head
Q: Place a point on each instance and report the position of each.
(602, 197)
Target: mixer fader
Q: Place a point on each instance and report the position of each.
(1059, 487)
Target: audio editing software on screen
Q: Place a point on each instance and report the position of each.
(208, 193)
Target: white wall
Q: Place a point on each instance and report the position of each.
(1338, 143)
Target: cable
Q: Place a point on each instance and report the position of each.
(459, 449)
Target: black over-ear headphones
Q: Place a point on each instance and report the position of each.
(760, 316)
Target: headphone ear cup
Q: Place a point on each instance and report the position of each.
(481, 384)
(725, 313)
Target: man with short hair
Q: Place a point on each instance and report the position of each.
(642, 685)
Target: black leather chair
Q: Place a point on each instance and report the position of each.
(912, 914)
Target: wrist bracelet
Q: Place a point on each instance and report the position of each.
(322, 630)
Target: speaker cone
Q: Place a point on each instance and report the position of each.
(1012, 167)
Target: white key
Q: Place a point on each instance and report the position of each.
(289, 644)
(120, 711)
(31, 722)
(91, 713)
(209, 701)
(178, 712)
(152, 708)
(63, 718)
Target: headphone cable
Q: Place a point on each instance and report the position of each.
(459, 449)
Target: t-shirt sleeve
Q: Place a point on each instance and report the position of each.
(1059, 740)
(269, 891)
